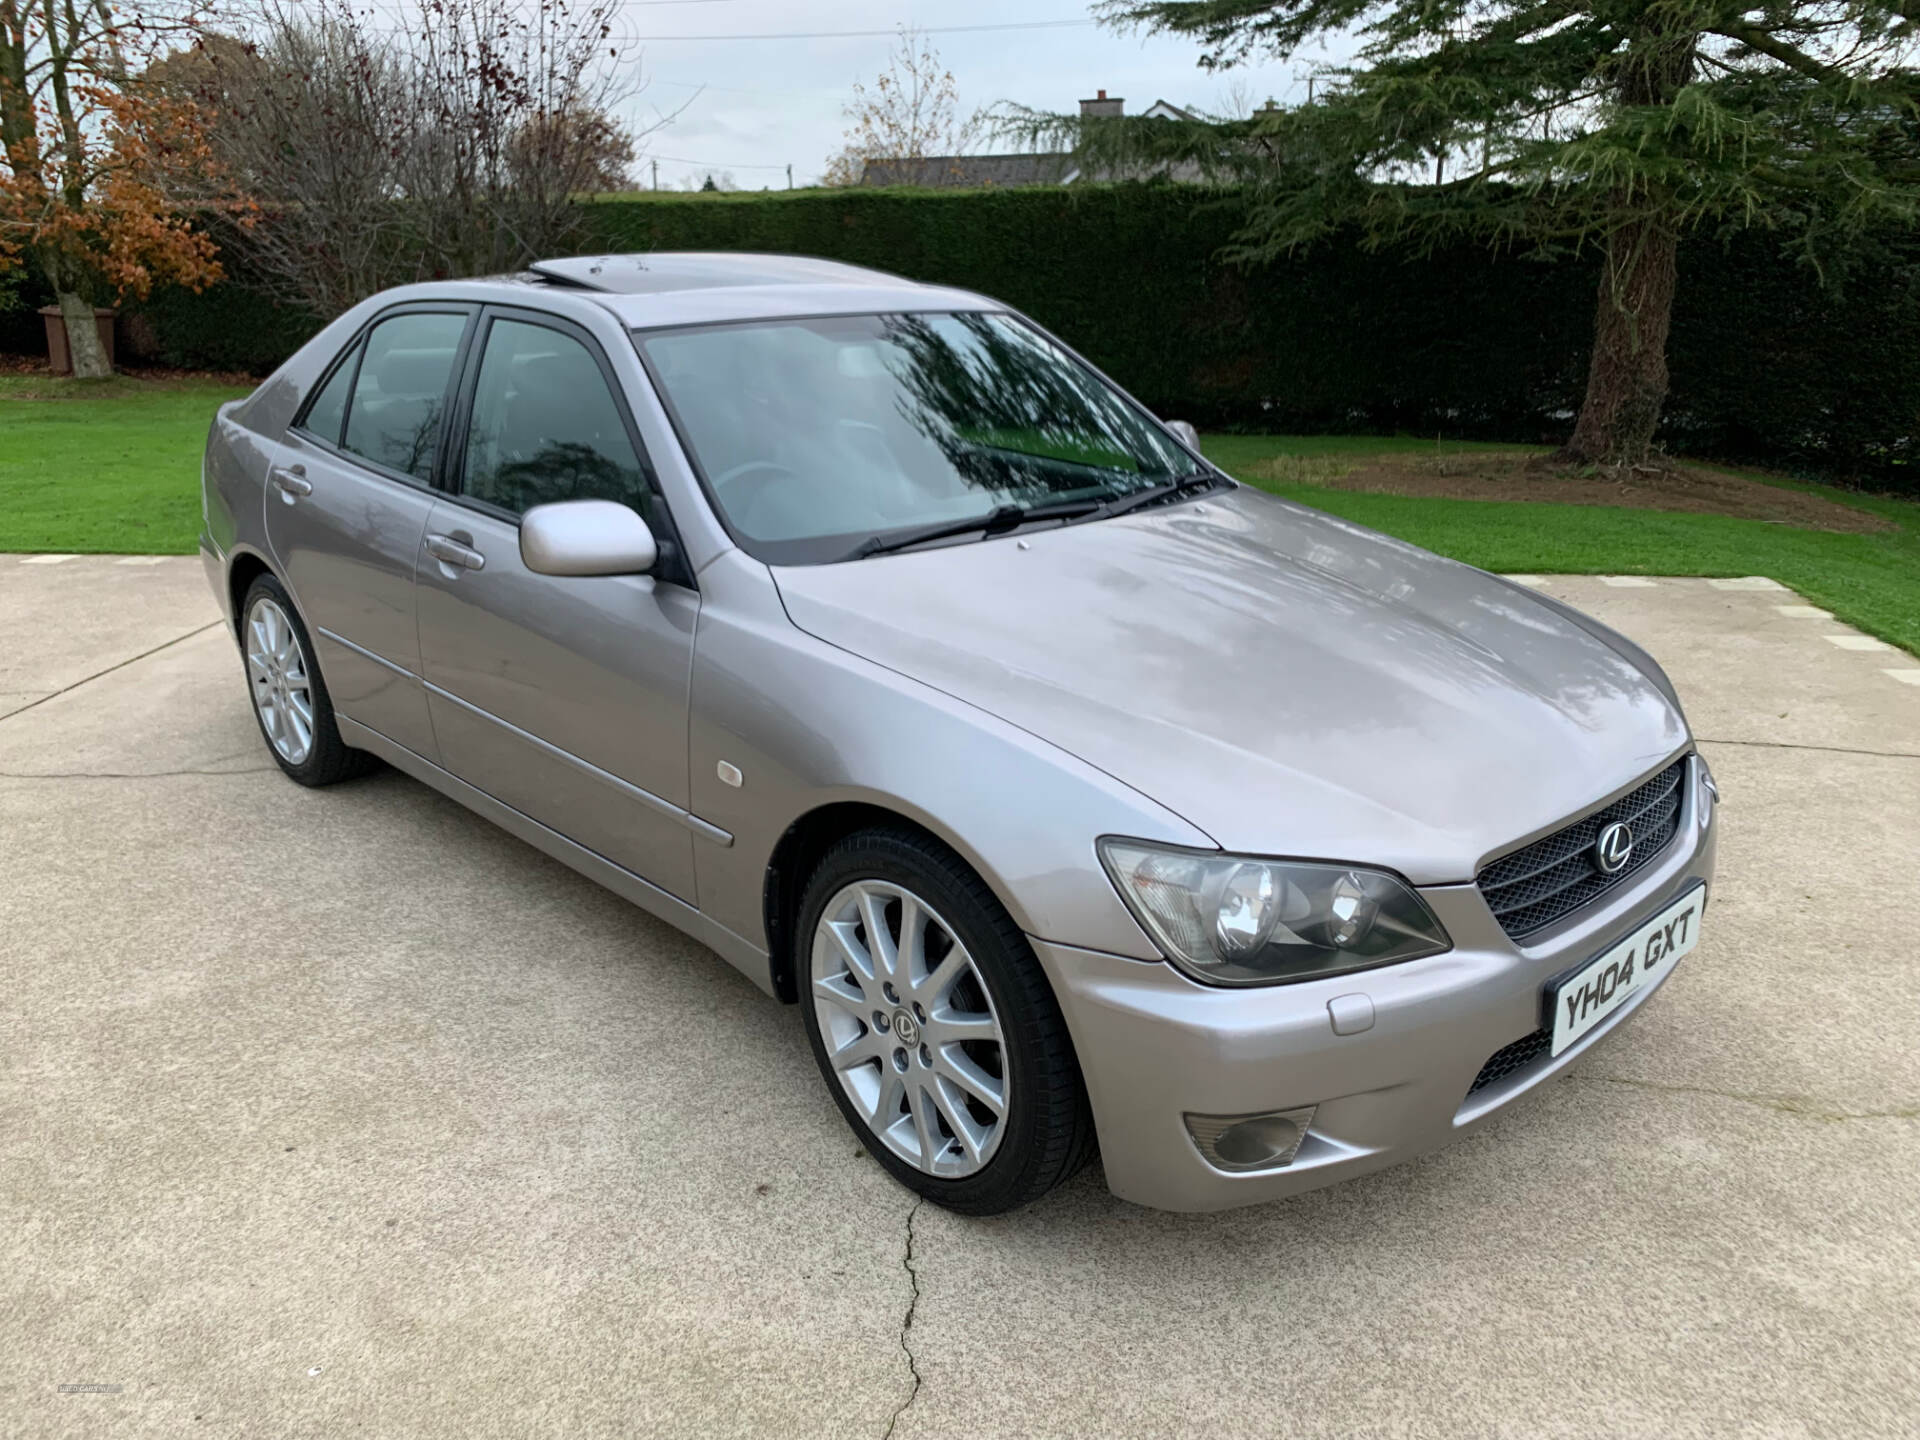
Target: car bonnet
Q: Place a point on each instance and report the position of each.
(1288, 682)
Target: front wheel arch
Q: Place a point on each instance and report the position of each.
(799, 849)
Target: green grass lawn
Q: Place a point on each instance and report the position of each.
(103, 466)
(1231, 450)
(113, 466)
(1872, 581)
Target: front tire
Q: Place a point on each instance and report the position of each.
(290, 701)
(934, 1028)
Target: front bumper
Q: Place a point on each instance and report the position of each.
(1155, 1046)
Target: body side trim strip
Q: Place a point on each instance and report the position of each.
(738, 951)
(704, 829)
(606, 777)
(366, 654)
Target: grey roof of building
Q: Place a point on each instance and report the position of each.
(941, 172)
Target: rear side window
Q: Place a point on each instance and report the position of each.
(329, 407)
(400, 392)
(545, 426)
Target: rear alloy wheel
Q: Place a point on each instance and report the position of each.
(282, 687)
(290, 699)
(935, 1030)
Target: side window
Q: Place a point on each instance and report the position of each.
(545, 426)
(330, 405)
(401, 391)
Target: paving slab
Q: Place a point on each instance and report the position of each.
(342, 1112)
(62, 622)
(1751, 674)
(353, 1082)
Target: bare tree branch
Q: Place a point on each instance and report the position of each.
(459, 138)
(910, 112)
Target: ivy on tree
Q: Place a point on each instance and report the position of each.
(1556, 125)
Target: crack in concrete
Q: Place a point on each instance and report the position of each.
(906, 1326)
(1828, 749)
(1784, 1104)
(130, 660)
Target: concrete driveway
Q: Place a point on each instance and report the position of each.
(344, 1113)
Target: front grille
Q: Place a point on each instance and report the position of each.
(1510, 1059)
(1534, 886)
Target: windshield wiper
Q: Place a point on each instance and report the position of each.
(996, 521)
(1194, 484)
(1003, 518)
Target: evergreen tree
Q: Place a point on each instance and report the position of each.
(1557, 125)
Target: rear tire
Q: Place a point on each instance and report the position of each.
(290, 701)
(943, 1044)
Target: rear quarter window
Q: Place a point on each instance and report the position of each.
(329, 409)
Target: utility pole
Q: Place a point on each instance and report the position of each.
(789, 175)
(656, 174)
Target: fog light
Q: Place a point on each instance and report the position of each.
(1250, 1142)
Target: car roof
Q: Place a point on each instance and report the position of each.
(655, 274)
(647, 291)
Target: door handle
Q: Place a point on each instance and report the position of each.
(450, 551)
(290, 480)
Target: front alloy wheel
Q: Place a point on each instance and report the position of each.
(938, 1034)
(909, 1030)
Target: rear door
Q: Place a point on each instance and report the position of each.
(347, 507)
(564, 697)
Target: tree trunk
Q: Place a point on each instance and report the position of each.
(1627, 377)
(89, 356)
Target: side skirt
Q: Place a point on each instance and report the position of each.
(746, 957)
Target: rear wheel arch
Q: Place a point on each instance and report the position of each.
(245, 568)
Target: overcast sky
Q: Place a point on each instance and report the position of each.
(770, 103)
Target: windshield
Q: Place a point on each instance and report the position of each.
(817, 437)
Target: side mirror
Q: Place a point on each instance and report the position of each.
(1185, 434)
(586, 537)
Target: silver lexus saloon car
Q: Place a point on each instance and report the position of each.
(1080, 797)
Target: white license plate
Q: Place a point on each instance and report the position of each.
(1586, 997)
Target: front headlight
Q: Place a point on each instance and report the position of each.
(1233, 920)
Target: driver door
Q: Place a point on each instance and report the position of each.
(563, 697)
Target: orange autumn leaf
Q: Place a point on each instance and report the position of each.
(101, 176)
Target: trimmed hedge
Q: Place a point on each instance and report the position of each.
(1130, 276)
(229, 327)
(1767, 365)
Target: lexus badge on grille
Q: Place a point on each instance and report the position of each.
(1613, 847)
